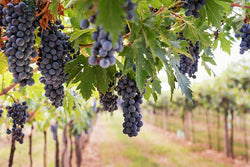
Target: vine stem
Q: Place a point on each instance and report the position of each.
(12, 151)
(238, 5)
(44, 9)
(6, 90)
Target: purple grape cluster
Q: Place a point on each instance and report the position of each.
(108, 100)
(18, 113)
(129, 7)
(19, 47)
(132, 99)
(103, 50)
(54, 129)
(193, 7)
(245, 37)
(53, 55)
(187, 65)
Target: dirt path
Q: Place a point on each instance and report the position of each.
(108, 147)
(91, 154)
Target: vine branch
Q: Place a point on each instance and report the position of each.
(238, 5)
(6, 90)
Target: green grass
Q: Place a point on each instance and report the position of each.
(146, 149)
(174, 123)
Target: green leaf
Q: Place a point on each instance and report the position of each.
(141, 74)
(225, 43)
(183, 81)
(101, 79)
(208, 59)
(213, 10)
(157, 85)
(3, 63)
(77, 33)
(54, 7)
(87, 82)
(110, 16)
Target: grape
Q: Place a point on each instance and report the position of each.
(187, 65)
(19, 48)
(104, 63)
(193, 7)
(54, 52)
(130, 105)
(19, 116)
(84, 24)
(245, 37)
(92, 60)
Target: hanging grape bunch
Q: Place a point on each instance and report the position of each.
(132, 99)
(52, 59)
(245, 37)
(187, 65)
(19, 47)
(193, 7)
(18, 113)
(104, 48)
(108, 100)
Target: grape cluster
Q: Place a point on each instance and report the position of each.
(53, 129)
(21, 39)
(103, 51)
(109, 100)
(193, 7)
(53, 51)
(18, 113)
(1, 112)
(132, 98)
(129, 7)
(187, 65)
(245, 38)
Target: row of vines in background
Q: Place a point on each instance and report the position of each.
(217, 104)
(79, 48)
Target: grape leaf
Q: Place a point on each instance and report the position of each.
(111, 16)
(213, 10)
(54, 7)
(3, 63)
(183, 81)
